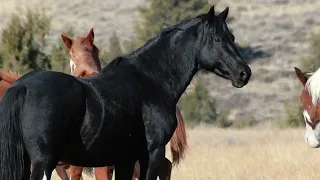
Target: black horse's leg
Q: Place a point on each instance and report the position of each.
(42, 168)
(45, 150)
(160, 122)
(124, 171)
(165, 172)
(26, 168)
(150, 166)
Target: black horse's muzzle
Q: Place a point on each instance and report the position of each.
(242, 77)
(239, 78)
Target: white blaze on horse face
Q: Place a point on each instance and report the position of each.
(312, 136)
(44, 176)
(72, 65)
(307, 116)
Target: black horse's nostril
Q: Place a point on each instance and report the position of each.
(243, 76)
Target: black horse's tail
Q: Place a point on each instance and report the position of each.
(11, 141)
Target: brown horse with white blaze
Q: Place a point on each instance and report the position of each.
(309, 98)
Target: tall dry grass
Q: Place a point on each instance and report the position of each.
(252, 154)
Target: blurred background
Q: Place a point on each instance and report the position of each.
(226, 126)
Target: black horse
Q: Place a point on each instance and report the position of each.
(124, 114)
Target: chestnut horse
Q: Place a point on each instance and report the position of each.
(85, 62)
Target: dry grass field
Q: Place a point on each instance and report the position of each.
(252, 154)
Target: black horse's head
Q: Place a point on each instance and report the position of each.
(219, 53)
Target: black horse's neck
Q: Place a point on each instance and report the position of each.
(170, 58)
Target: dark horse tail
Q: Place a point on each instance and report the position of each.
(11, 142)
(178, 142)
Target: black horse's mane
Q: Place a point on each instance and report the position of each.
(180, 27)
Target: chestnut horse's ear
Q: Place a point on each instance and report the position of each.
(67, 41)
(301, 76)
(224, 14)
(211, 11)
(90, 37)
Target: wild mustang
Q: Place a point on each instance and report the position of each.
(85, 62)
(309, 98)
(125, 113)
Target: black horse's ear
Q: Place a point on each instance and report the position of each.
(224, 14)
(211, 11)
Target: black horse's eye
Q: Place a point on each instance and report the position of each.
(216, 39)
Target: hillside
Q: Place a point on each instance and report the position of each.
(276, 30)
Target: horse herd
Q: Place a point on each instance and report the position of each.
(85, 62)
(120, 117)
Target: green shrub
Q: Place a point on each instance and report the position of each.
(199, 107)
(293, 116)
(222, 120)
(244, 122)
(23, 42)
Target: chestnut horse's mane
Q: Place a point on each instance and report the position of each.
(313, 86)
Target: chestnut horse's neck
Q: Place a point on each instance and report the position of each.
(91, 60)
(87, 65)
(85, 71)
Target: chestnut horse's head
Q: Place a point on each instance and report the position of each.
(309, 98)
(84, 55)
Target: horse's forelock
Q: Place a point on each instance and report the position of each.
(313, 86)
